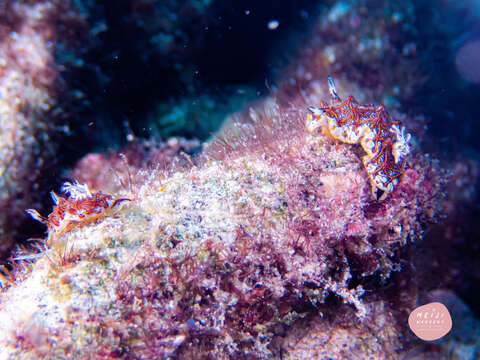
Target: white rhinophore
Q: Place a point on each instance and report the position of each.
(332, 89)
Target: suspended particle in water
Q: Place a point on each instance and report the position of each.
(273, 24)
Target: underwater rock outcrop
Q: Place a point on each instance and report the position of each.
(29, 82)
(270, 227)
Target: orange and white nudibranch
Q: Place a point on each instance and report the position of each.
(81, 207)
(382, 138)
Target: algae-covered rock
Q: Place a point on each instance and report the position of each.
(223, 257)
(28, 91)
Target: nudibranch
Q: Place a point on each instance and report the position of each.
(81, 207)
(381, 137)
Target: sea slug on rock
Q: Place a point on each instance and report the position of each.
(381, 136)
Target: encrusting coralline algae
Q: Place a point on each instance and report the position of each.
(271, 231)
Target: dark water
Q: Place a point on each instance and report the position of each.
(140, 58)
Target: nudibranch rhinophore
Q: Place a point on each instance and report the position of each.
(382, 138)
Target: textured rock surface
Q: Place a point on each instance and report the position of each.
(225, 257)
(28, 84)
